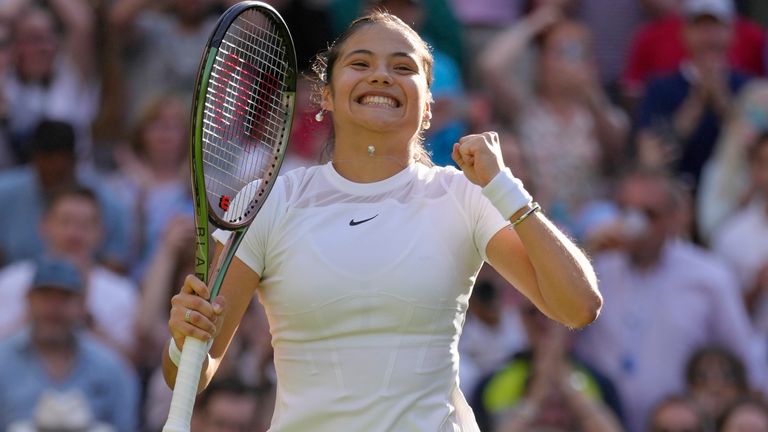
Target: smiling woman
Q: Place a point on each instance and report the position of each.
(365, 265)
(386, 84)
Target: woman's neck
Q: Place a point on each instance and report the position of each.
(368, 158)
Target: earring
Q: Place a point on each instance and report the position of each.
(371, 150)
(425, 122)
(319, 116)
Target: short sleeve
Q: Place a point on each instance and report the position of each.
(254, 247)
(485, 221)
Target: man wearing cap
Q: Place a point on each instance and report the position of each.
(659, 47)
(52, 353)
(685, 109)
(72, 228)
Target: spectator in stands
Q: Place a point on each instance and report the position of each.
(229, 405)
(152, 178)
(169, 264)
(162, 48)
(546, 386)
(613, 23)
(657, 310)
(490, 322)
(726, 184)
(71, 228)
(678, 414)
(570, 135)
(715, 379)
(53, 73)
(742, 240)
(52, 352)
(61, 411)
(659, 47)
(28, 190)
(688, 106)
(7, 156)
(746, 415)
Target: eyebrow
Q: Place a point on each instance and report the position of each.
(370, 53)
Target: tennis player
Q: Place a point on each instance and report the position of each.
(365, 264)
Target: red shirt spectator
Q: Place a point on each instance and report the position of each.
(658, 48)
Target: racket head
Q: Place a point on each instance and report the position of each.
(242, 115)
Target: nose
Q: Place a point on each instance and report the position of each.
(380, 75)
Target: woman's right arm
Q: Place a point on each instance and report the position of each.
(217, 319)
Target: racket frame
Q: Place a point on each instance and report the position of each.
(195, 351)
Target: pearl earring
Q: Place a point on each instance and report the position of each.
(425, 121)
(319, 116)
(371, 150)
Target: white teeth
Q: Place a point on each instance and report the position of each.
(379, 100)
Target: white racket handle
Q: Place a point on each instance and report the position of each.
(193, 354)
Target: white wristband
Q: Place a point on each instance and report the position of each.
(174, 353)
(507, 193)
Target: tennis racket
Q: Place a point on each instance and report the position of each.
(241, 119)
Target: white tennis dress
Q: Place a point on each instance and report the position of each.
(366, 288)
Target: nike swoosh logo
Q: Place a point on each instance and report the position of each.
(353, 222)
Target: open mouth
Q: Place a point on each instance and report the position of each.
(377, 100)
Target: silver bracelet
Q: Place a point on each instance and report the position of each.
(533, 209)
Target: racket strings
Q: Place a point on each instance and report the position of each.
(245, 116)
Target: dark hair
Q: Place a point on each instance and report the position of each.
(325, 61)
(52, 136)
(676, 189)
(227, 385)
(149, 113)
(76, 191)
(485, 292)
(736, 368)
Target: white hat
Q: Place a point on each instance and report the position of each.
(722, 10)
(64, 411)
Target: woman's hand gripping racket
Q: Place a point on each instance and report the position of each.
(241, 120)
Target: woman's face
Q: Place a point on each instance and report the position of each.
(566, 57)
(35, 46)
(378, 83)
(164, 137)
(714, 384)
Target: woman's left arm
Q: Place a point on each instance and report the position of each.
(534, 256)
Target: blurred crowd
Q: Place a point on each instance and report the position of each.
(640, 126)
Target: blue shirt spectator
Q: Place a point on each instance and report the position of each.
(110, 387)
(26, 191)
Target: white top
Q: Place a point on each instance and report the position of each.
(743, 243)
(366, 288)
(652, 322)
(68, 97)
(111, 299)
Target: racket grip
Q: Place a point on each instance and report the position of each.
(193, 354)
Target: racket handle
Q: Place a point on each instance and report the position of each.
(193, 354)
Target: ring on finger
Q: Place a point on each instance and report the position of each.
(188, 316)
